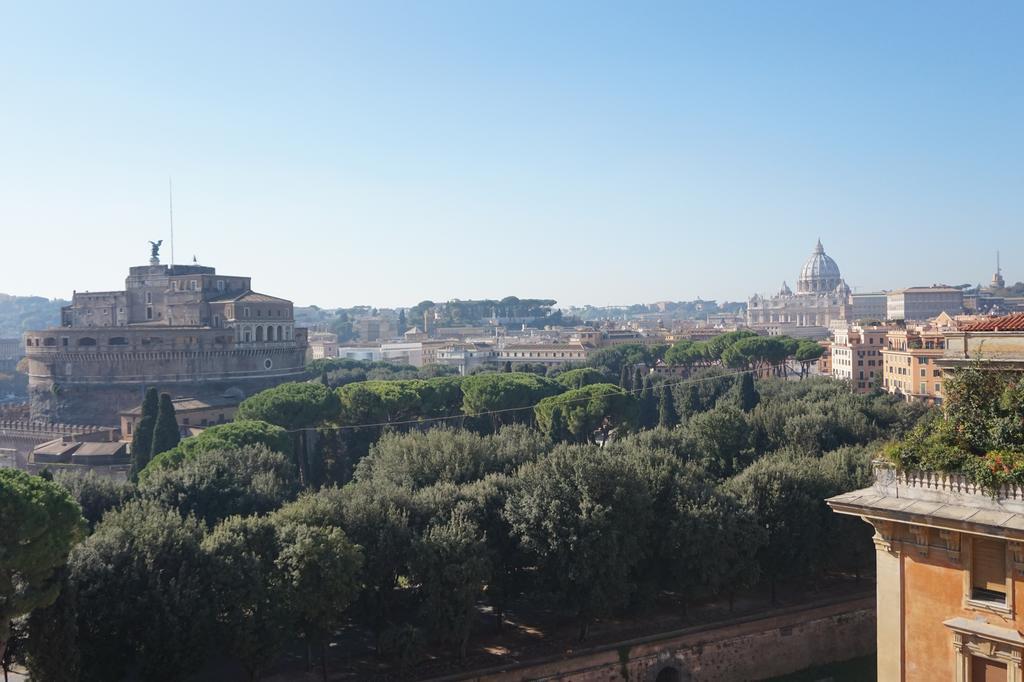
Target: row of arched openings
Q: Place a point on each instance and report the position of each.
(270, 333)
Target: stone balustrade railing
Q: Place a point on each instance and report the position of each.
(936, 486)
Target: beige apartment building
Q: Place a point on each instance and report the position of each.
(825, 361)
(856, 355)
(549, 354)
(191, 413)
(375, 329)
(911, 367)
(429, 349)
(919, 304)
(466, 356)
(323, 345)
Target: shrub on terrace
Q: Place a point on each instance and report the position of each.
(980, 433)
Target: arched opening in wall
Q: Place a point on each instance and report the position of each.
(669, 674)
(118, 341)
(270, 333)
(280, 333)
(86, 341)
(248, 336)
(259, 333)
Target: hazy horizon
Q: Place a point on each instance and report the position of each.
(388, 153)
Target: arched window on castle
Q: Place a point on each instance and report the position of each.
(259, 333)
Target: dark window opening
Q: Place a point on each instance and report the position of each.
(669, 675)
(988, 570)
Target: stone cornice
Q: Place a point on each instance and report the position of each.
(953, 517)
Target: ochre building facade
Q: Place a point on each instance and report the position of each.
(950, 576)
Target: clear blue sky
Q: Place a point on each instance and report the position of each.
(385, 153)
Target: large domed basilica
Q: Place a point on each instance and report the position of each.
(821, 297)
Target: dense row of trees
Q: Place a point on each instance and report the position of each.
(331, 430)
(336, 372)
(686, 310)
(240, 541)
(456, 312)
(745, 350)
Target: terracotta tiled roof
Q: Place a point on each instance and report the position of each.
(188, 404)
(1007, 323)
(248, 297)
(100, 449)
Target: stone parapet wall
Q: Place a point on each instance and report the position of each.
(22, 436)
(754, 648)
(44, 431)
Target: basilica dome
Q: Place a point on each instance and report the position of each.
(820, 274)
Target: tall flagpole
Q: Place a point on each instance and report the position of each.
(170, 198)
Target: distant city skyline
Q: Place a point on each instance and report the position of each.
(387, 153)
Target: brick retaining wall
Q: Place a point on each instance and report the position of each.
(753, 648)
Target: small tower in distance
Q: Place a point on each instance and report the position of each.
(997, 279)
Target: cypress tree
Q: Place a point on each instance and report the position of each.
(648, 405)
(693, 401)
(667, 417)
(638, 380)
(142, 438)
(165, 433)
(624, 378)
(748, 397)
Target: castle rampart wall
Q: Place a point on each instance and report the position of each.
(91, 382)
(23, 436)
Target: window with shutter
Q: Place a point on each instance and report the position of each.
(988, 569)
(984, 670)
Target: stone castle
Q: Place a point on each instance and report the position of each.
(182, 328)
